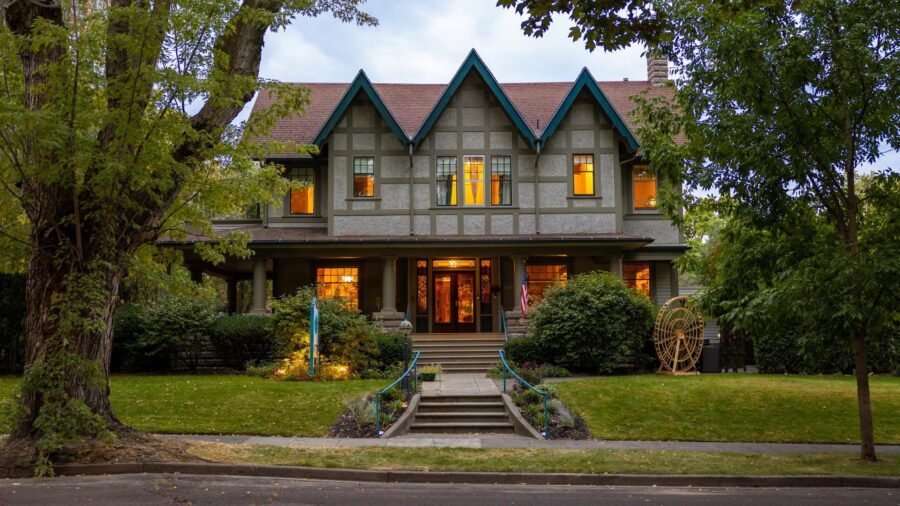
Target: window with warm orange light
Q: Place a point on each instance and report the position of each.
(583, 174)
(303, 199)
(643, 184)
(473, 184)
(501, 180)
(342, 282)
(445, 183)
(542, 277)
(637, 276)
(364, 176)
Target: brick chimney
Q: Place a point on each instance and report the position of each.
(657, 69)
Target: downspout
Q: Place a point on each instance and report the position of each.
(537, 214)
(412, 220)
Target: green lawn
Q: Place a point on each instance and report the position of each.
(224, 404)
(552, 461)
(732, 407)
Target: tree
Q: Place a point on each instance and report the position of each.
(779, 104)
(115, 128)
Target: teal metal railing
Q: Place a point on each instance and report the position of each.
(411, 373)
(506, 367)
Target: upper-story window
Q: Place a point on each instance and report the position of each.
(303, 199)
(473, 184)
(364, 176)
(583, 175)
(501, 180)
(643, 187)
(445, 186)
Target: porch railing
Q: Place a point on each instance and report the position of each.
(411, 372)
(506, 367)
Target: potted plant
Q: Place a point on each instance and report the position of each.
(428, 372)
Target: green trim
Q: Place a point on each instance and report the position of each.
(360, 83)
(474, 62)
(586, 80)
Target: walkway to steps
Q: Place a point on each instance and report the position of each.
(461, 403)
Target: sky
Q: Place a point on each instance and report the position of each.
(425, 41)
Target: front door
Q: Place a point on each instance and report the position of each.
(454, 301)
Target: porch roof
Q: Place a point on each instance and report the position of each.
(274, 236)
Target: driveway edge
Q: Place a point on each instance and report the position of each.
(316, 473)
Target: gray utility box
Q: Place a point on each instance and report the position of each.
(710, 359)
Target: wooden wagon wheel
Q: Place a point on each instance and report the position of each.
(678, 336)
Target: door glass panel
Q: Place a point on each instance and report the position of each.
(442, 298)
(465, 297)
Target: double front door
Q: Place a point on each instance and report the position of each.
(454, 301)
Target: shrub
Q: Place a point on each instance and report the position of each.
(392, 349)
(130, 323)
(592, 324)
(346, 337)
(243, 338)
(523, 349)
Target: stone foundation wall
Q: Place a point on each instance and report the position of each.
(517, 325)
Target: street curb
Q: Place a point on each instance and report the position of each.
(315, 473)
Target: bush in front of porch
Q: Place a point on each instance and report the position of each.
(593, 324)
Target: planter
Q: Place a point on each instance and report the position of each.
(427, 376)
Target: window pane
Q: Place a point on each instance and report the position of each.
(541, 277)
(446, 180)
(474, 180)
(644, 187)
(583, 173)
(422, 287)
(303, 199)
(637, 276)
(501, 181)
(364, 176)
(343, 282)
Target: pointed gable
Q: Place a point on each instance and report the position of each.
(360, 84)
(473, 63)
(587, 82)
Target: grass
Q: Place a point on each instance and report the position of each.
(197, 404)
(732, 407)
(551, 461)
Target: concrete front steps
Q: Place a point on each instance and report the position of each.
(472, 353)
(462, 414)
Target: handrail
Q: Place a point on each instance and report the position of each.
(412, 367)
(503, 324)
(529, 385)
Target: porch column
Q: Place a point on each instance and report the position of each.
(388, 285)
(615, 266)
(231, 295)
(259, 286)
(518, 272)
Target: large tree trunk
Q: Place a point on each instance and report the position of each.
(866, 426)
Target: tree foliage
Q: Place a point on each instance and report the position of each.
(115, 129)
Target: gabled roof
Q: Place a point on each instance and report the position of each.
(473, 62)
(360, 84)
(412, 109)
(587, 82)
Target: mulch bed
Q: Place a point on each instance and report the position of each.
(579, 432)
(347, 426)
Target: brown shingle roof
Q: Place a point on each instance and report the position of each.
(411, 103)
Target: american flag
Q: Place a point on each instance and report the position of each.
(524, 293)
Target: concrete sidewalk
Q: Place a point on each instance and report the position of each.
(514, 441)
(460, 384)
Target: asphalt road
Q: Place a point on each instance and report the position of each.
(150, 489)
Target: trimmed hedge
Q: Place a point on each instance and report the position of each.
(243, 338)
(796, 353)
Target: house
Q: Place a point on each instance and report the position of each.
(433, 200)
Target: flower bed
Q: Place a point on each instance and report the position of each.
(563, 423)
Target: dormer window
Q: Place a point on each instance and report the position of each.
(501, 180)
(364, 176)
(303, 199)
(583, 175)
(643, 184)
(445, 182)
(473, 184)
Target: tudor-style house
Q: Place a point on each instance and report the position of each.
(433, 200)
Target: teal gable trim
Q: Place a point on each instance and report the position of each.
(360, 83)
(586, 80)
(474, 62)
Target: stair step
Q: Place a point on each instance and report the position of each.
(472, 427)
(462, 407)
(459, 399)
(475, 354)
(458, 337)
(430, 345)
(500, 417)
(462, 361)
